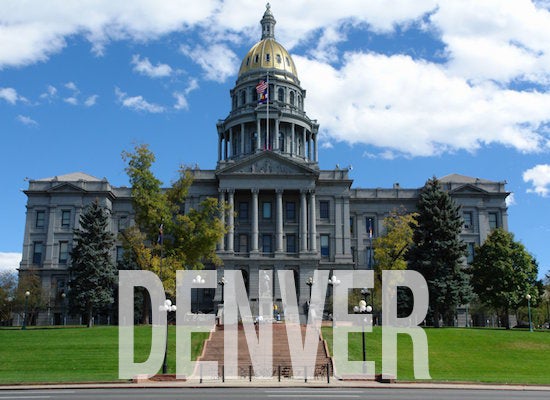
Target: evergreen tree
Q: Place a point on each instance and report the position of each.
(93, 273)
(503, 273)
(438, 251)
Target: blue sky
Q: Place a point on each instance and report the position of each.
(403, 90)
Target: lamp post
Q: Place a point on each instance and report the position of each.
(333, 281)
(198, 280)
(168, 307)
(9, 300)
(222, 284)
(309, 282)
(24, 326)
(528, 297)
(64, 307)
(362, 308)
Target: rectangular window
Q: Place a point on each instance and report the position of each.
(468, 220)
(471, 253)
(122, 223)
(243, 211)
(243, 243)
(369, 261)
(323, 209)
(325, 249)
(291, 243)
(351, 226)
(63, 252)
(266, 210)
(40, 219)
(369, 224)
(493, 220)
(65, 218)
(291, 211)
(266, 243)
(119, 253)
(37, 253)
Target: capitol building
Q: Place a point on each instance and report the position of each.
(285, 213)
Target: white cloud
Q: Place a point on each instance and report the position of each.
(91, 100)
(71, 86)
(71, 100)
(326, 145)
(50, 93)
(137, 103)
(511, 200)
(10, 95)
(144, 67)
(418, 108)
(181, 97)
(31, 33)
(218, 61)
(25, 120)
(9, 261)
(539, 176)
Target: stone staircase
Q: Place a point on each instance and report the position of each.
(282, 364)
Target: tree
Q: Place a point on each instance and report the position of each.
(503, 273)
(8, 285)
(438, 252)
(165, 238)
(390, 251)
(93, 273)
(29, 280)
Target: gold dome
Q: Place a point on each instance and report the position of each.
(268, 54)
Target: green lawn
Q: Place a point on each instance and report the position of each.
(473, 355)
(74, 354)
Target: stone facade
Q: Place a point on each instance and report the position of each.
(284, 212)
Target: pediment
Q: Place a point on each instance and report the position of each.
(66, 187)
(468, 189)
(267, 163)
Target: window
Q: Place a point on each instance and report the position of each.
(122, 223)
(369, 261)
(243, 243)
(37, 253)
(287, 61)
(65, 218)
(119, 253)
(248, 61)
(243, 97)
(493, 220)
(291, 211)
(282, 141)
(266, 210)
(471, 252)
(266, 243)
(243, 211)
(63, 252)
(351, 226)
(370, 227)
(323, 209)
(40, 218)
(291, 243)
(281, 95)
(256, 58)
(291, 98)
(325, 250)
(267, 57)
(278, 58)
(468, 220)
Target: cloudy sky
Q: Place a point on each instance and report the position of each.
(402, 89)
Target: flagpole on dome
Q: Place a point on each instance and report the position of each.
(268, 144)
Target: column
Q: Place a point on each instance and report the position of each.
(258, 135)
(221, 202)
(48, 249)
(231, 142)
(312, 223)
(219, 147)
(279, 221)
(292, 140)
(231, 221)
(315, 148)
(242, 140)
(276, 138)
(255, 232)
(224, 148)
(304, 141)
(338, 226)
(347, 231)
(309, 152)
(303, 222)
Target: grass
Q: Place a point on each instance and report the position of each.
(75, 354)
(472, 355)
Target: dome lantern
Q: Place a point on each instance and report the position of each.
(268, 23)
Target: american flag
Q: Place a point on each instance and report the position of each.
(261, 87)
(161, 234)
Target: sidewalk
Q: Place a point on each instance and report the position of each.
(194, 383)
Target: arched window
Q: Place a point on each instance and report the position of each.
(267, 57)
(279, 59)
(234, 101)
(256, 59)
(282, 142)
(292, 98)
(248, 61)
(243, 97)
(271, 92)
(281, 95)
